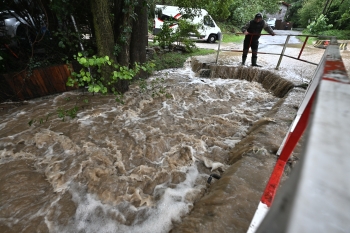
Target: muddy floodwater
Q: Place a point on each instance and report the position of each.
(143, 166)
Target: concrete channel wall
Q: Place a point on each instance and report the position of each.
(315, 198)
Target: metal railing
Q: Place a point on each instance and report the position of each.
(282, 54)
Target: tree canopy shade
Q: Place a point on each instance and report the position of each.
(118, 28)
(237, 12)
(304, 12)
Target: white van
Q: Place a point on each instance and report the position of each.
(209, 31)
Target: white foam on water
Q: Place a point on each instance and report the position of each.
(203, 120)
(93, 216)
(2, 125)
(230, 142)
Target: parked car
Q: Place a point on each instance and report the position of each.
(271, 22)
(9, 23)
(18, 29)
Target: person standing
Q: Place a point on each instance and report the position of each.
(252, 31)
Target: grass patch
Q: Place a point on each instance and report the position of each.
(176, 59)
(310, 40)
(231, 37)
(339, 34)
(326, 35)
(230, 33)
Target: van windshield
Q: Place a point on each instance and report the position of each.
(208, 21)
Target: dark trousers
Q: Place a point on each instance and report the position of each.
(250, 43)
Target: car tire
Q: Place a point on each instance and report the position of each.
(211, 38)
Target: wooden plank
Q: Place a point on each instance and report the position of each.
(42, 82)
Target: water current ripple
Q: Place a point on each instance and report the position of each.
(137, 167)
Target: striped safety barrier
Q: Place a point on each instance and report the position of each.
(324, 43)
(331, 68)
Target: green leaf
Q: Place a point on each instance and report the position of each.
(97, 88)
(82, 60)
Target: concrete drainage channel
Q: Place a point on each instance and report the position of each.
(237, 193)
(272, 82)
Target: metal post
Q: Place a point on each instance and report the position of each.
(76, 29)
(219, 38)
(284, 48)
(302, 48)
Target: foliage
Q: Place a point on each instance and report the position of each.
(183, 31)
(243, 11)
(168, 36)
(236, 12)
(292, 12)
(72, 113)
(220, 10)
(339, 14)
(93, 79)
(339, 34)
(156, 87)
(68, 43)
(61, 113)
(34, 64)
(337, 11)
(319, 25)
(228, 27)
(176, 60)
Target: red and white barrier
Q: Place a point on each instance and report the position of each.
(331, 68)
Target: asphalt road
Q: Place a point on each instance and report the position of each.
(265, 39)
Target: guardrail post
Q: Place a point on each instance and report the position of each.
(282, 53)
(219, 38)
(302, 48)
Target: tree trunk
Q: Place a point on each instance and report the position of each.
(103, 27)
(123, 28)
(139, 36)
(104, 36)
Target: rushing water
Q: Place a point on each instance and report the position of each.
(132, 167)
(143, 166)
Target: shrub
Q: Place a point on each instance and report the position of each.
(168, 36)
(319, 25)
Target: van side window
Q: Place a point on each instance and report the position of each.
(168, 18)
(164, 17)
(208, 21)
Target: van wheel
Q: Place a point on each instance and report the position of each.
(211, 39)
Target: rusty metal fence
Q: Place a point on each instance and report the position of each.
(282, 54)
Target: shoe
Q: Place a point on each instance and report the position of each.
(244, 58)
(254, 62)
